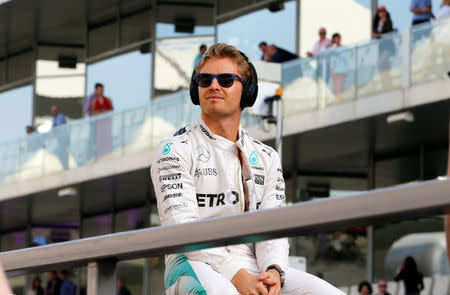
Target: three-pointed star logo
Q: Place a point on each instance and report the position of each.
(202, 154)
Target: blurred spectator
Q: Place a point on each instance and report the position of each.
(67, 287)
(382, 24)
(53, 284)
(338, 67)
(412, 278)
(122, 287)
(101, 103)
(321, 45)
(36, 288)
(421, 10)
(279, 55)
(264, 47)
(444, 10)
(364, 288)
(382, 288)
(202, 50)
(30, 129)
(58, 118)
(98, 91)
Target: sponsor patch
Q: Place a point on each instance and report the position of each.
(171, 186)
(257, 167)
(169, 167)
(167, 159)
(175, 207)
(259, 179)
(253, 159)
(279, 188)
(205, 172)
(280, 197)
(181, 131)
(202, 154)
(221, 199)
(170, 196)
(166, 148)
(172, 176)
(204, 130)
(267, 152)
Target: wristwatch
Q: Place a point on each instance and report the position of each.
(275, 267)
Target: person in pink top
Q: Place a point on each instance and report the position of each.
(321, 44)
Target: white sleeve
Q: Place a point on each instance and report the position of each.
(273, 251)
(177, 200)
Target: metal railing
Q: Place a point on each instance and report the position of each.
(102, 253)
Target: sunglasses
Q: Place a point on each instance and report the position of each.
(224, 80)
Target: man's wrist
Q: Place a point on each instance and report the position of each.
(280, 272)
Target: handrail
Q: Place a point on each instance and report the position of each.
(406, 201)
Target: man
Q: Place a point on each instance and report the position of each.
(214, 168)
(98, 93)
(101, 103)
(53, 284)
(122, 287)
(67, 287)
(202, 50)
(322, 44)
(382, 288)
(421, 10)
(279, 55)
(58, 118)
(263, 47)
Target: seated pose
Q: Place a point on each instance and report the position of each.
(214, 168)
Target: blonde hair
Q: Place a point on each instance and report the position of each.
(223, 50)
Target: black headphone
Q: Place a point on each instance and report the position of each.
(249, 91)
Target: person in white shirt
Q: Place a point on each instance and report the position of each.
(444, 10)
(321, 44)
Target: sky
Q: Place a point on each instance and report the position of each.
(127, 77)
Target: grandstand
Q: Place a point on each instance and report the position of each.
(73, 182)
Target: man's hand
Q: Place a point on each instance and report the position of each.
(272, 279)
(248, 284)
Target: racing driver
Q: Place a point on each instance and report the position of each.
(214, 168)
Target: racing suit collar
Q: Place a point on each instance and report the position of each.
(219, 141)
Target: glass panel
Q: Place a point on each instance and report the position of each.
(355, 28)
(97, 225)
(300, 86)
(126, 79)
(48, 235)
(12, 241)
(16, 112)
(130, 276)
(13, 214)
(247, 31)
(17, 284)
(174, 63)
(430, 46)
(130, 219)
(156, 273)
(379, 65)
(337, 76)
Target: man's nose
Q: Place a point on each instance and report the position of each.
(214, 83)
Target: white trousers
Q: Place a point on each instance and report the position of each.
(197, 278)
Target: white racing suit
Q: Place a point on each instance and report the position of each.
(196, 175)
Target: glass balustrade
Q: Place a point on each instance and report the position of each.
(334, 77)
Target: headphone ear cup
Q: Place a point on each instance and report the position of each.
(193, 90)
(250, 91)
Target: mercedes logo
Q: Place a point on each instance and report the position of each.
(202, 154)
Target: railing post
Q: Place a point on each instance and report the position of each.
(406, 58)
(101, 277)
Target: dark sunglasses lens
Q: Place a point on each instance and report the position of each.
(226, 80)
(204, 80)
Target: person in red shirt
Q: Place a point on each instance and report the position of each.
(101, 103)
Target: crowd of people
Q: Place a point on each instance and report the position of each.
(406, 272)
(59, 283)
